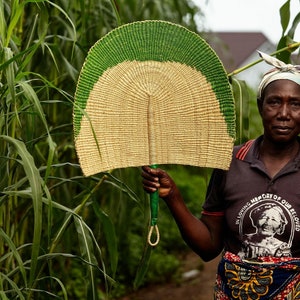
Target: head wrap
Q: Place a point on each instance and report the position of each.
(281, 71)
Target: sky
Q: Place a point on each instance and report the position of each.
(247, 15)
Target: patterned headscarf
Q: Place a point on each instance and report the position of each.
(281, 71)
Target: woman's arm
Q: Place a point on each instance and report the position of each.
(204, 236)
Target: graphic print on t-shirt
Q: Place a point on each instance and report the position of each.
(267, 224)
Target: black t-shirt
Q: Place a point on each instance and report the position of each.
(262, 213)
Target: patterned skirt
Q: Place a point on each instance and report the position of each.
(266, 278)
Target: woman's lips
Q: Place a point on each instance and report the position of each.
(282, 129)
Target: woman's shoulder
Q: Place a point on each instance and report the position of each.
(240, 151)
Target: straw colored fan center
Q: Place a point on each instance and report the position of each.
(143, 113)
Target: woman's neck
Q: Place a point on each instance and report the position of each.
(278, 150)
(276, 156)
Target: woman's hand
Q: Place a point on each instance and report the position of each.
(204, 236)
(157, 179)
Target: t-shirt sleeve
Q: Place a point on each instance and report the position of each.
(214, 202)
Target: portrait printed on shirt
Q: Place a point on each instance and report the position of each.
(267, 224)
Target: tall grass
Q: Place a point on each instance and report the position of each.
(56, 238)
(62, 235)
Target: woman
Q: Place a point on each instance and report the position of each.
(263, 173)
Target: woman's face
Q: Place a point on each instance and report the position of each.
(280, 111)
(269, 222)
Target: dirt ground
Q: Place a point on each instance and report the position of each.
(195, 284)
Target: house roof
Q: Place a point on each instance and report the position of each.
(234, 48)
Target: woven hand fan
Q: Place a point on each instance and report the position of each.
(149, 93)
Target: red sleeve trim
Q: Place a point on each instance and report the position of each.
(213, 213)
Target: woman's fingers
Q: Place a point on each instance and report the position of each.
(150, 181)
(157, 179)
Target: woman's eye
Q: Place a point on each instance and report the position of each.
(295, 104)
(273, 102)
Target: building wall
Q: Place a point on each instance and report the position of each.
(253, 75)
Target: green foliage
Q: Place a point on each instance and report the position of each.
(63, 235)
(248, 121)
(164, 267)
(192, 182)
(287, 38)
